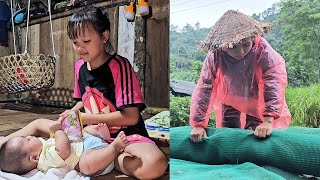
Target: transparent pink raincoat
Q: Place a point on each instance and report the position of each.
(254, 85)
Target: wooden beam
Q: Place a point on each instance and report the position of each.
(140, 50)
(73, 10)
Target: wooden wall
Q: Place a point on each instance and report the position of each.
(40, 42)
(152, 69)
(157, 55)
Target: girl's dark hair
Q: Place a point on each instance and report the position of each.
(87, 17)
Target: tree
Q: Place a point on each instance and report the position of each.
(270, 15)
(299, 23)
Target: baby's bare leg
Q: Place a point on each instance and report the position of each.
(94, 161)
(120, 142)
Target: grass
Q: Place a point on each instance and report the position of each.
(304, 105)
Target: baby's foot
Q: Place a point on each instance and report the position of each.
(120, 142)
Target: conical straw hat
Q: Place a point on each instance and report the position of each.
(232, 27)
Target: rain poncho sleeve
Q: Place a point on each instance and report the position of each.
(202, 98)
(273, 78)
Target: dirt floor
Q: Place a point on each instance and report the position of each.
(15, 116)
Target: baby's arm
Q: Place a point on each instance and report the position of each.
(63, 147)
(38, 128)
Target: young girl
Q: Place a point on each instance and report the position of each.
(242, 77)
(107, 83)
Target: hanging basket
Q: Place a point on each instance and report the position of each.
(26, 72)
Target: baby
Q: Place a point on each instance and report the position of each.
(92, 156)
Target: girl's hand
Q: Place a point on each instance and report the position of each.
(54, 126)
(197, 133)
(65, 114)
(264, 129)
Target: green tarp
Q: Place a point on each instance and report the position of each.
(286, 152)
(185, 170)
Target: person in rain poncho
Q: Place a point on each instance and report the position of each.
(243, 79)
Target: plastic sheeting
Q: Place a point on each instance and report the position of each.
(185, 170)
(295, 150)
(254, 85)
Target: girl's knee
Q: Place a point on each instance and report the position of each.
(154, 165)
(161, 163)
(146, 162)
(155, 160)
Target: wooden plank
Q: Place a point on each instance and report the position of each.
(19, 40)
(64, 65)
(113, 14)
(69, 57)
(34, 39)
(157, 55)
(140, 50)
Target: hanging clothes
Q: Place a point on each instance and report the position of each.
(5, 16)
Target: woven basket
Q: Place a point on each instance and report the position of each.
(26, 72)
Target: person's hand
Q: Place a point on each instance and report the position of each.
(265, 128)
(65, 114)
(197, 133)
(54, 126)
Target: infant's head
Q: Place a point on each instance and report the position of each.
(20, 155)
